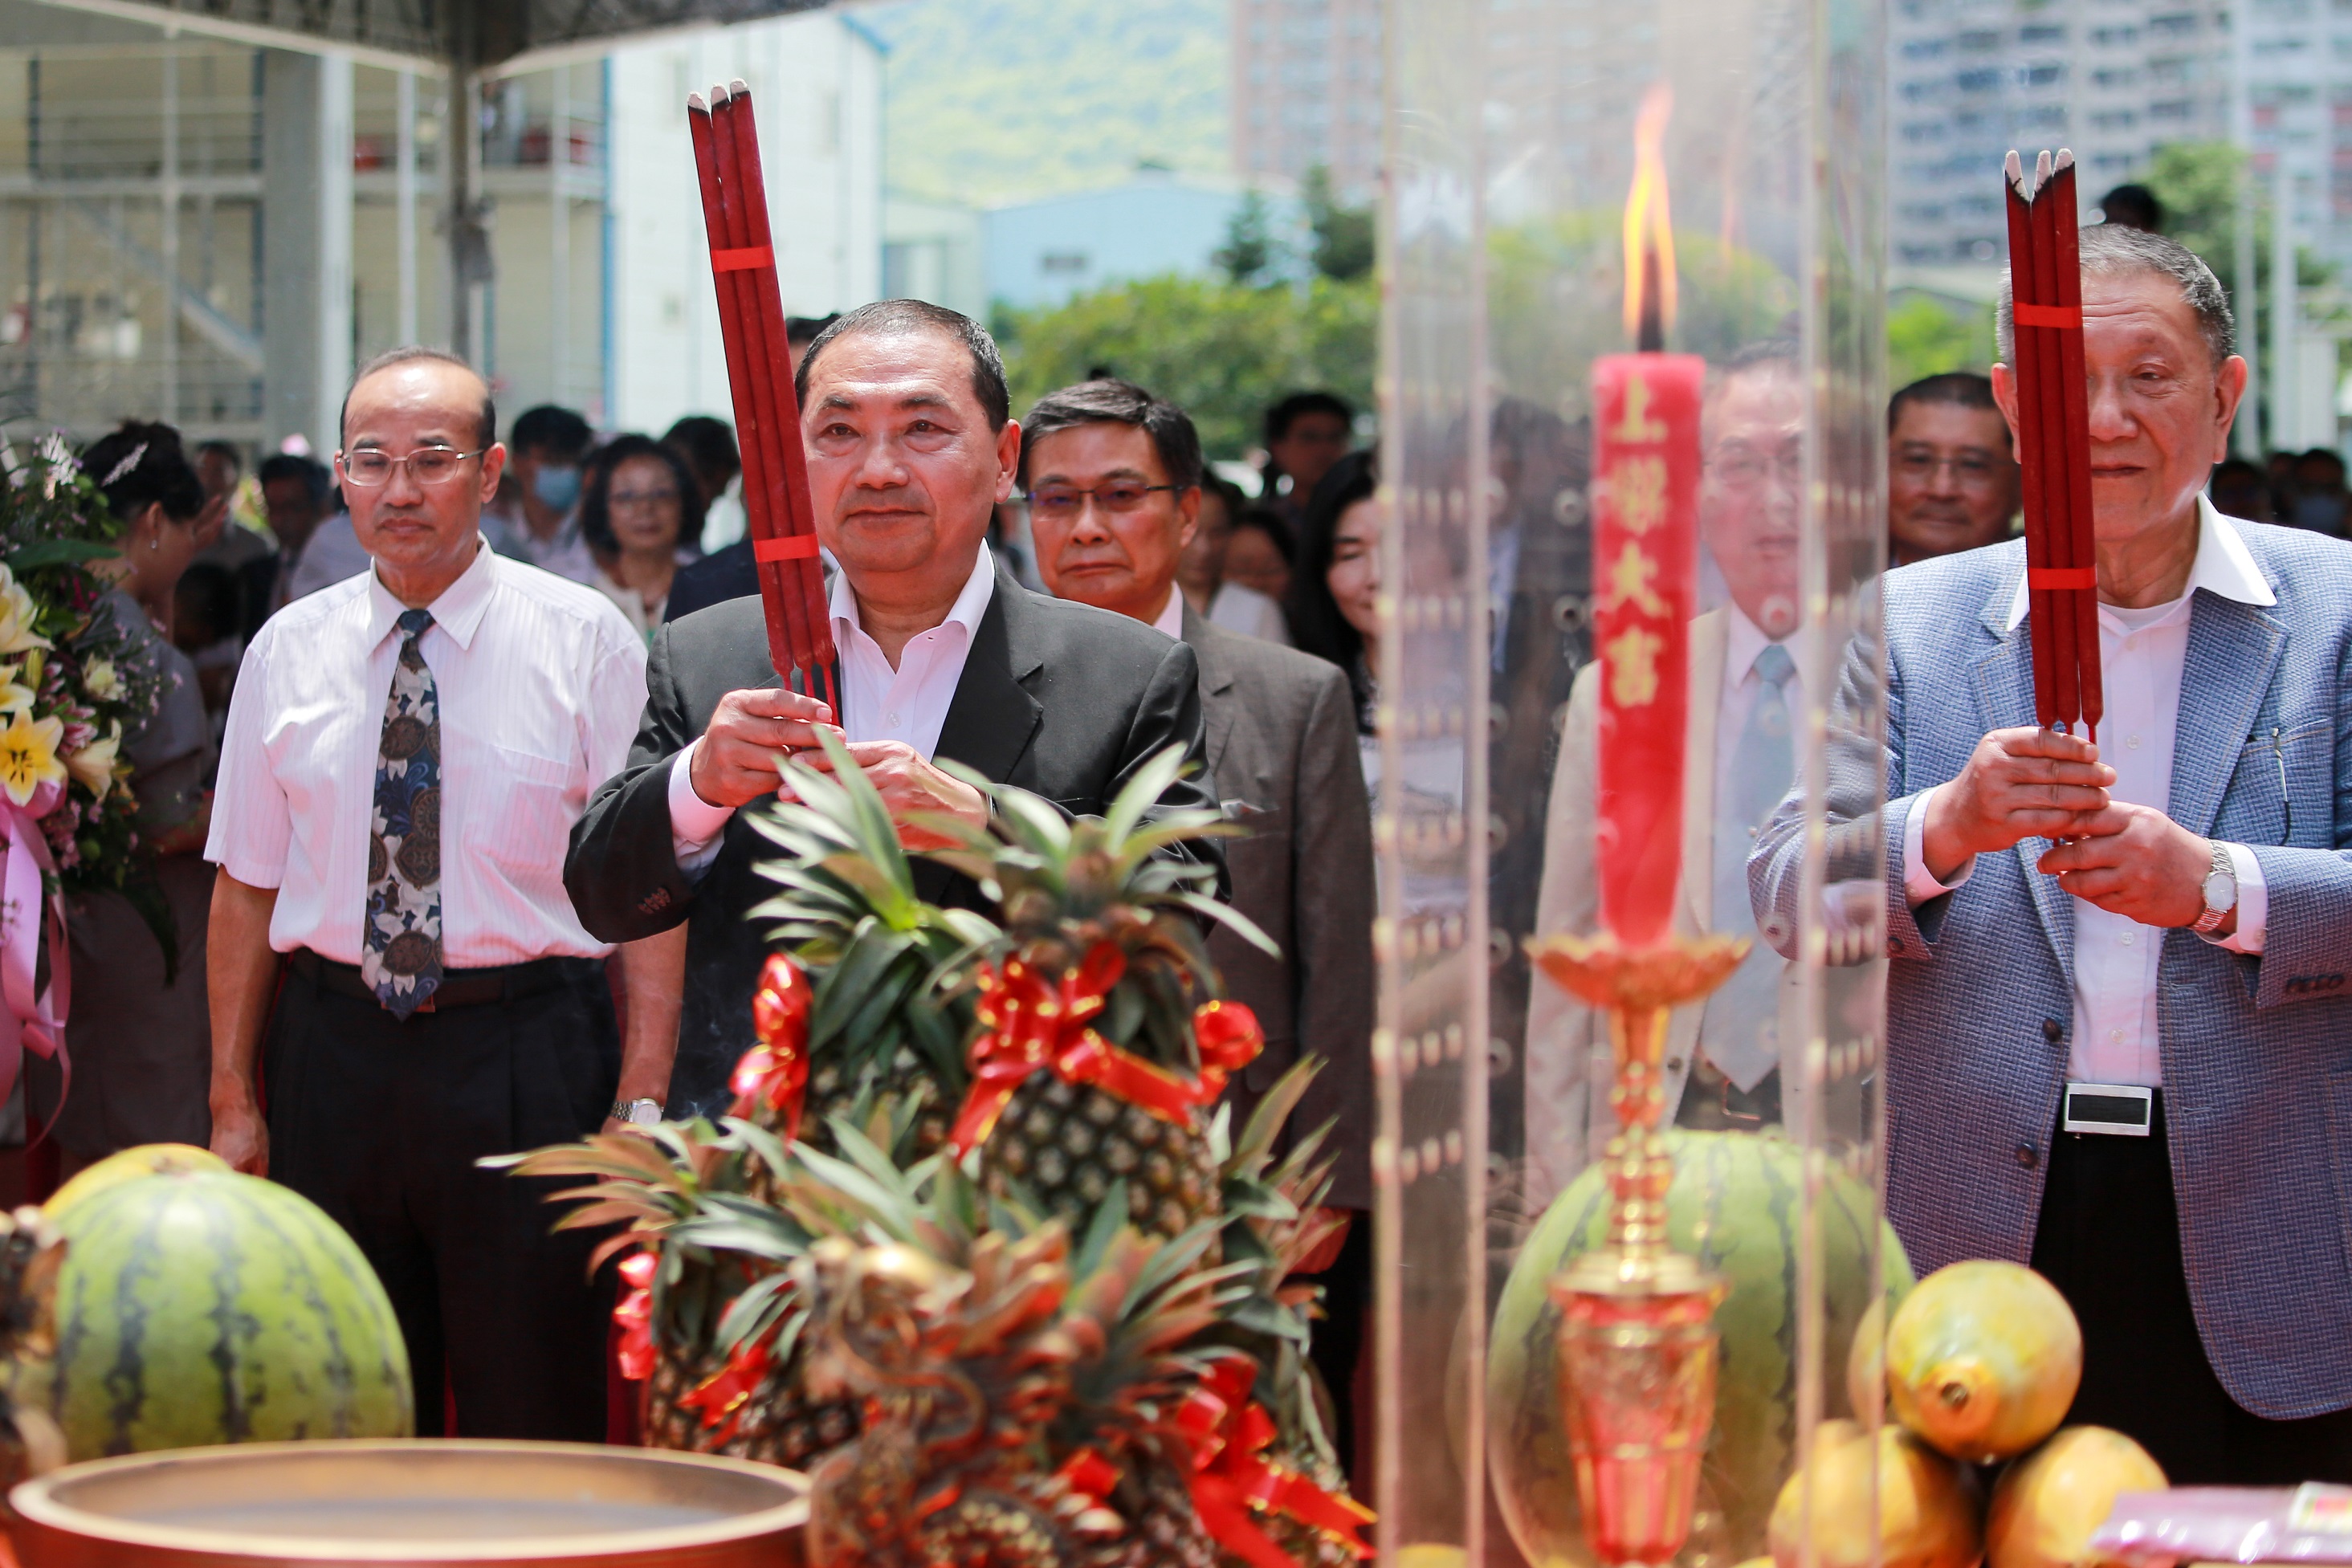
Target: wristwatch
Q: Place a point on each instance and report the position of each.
(637, 1112)
(2220, 891)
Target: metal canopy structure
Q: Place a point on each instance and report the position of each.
(484, 37)
(465, 42)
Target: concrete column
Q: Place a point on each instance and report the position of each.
(306, 244)
(405, 207)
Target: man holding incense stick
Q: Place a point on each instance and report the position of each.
(2119, 994)
(910, 446)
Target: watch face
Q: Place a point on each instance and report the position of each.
(645, 1113)
(2220, 891)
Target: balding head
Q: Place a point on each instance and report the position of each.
(414, 354)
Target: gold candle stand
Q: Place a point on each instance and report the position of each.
(1637, 1340)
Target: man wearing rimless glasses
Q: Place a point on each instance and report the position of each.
(406, 753)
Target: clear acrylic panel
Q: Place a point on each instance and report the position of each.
(1631, 606)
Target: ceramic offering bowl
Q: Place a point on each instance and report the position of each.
(431, 1504)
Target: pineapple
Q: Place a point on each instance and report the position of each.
(719, 1257)
(878, 1023)
(1101, 926)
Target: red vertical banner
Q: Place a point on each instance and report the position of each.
(1645, 411)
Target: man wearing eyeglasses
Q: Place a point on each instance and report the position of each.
(406, 753)
(1723, 1060)
(910, 446)
(1951, 484)
(1114, 485)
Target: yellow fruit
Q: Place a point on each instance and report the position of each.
(1926, 1504)
(1866, 1364)
(2048, 1503)
(1982, 1360)
(147, 1159)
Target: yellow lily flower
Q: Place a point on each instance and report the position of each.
(13, 693)
(29, 754)
(17, 613)
(93, 765)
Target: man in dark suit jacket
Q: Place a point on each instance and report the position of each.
(941, 655)
(1114, 481)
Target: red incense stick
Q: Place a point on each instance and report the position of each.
(2075, 383)
(749, 426)
(2054, 439)
(745, 260)
(2024, 355)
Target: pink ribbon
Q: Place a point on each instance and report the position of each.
(27, 911)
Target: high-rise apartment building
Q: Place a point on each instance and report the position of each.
(1306, 91)
(2113, 79)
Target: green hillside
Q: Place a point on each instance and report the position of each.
(994, 100)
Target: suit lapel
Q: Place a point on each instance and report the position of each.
(1216, 680)
(993, 717)
(2233, 650)
(2004, 680)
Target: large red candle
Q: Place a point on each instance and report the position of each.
(1645, 469)
(1645, 416)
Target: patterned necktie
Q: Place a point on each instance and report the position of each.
(1740, 1031)
(400, 956)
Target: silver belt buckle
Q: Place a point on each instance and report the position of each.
(2125, 1110)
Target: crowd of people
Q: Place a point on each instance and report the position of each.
(546, 657)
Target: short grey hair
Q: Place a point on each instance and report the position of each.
(2109, 249)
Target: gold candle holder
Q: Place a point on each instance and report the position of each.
(1637, 1340)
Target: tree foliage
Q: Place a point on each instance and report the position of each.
(1344, 242)
(1250, 252)
(1925, 337)
(1222, 351)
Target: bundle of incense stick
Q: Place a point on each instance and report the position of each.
(776, 507)
(2054, 438)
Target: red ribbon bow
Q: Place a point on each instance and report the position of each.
(724, 1398)
(636, 1316)
(775, 1071)
(1231, 1479)
(1029, 1021)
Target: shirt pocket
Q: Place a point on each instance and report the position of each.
(523, 813)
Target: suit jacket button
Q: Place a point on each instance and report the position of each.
(2027, 1155)
(2052, 1030)
(1894, 944)
(1673, 1064)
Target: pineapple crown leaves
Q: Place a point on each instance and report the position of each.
(649, 1183)
(1044, 868)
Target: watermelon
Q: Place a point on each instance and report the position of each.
(198, 1307)
(146, 1159)
(1734, 1206)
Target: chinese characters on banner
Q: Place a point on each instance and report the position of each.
(1645, 411)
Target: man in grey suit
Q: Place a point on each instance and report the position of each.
(2119, 1027)
(1113, 475)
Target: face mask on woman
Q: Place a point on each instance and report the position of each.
(557, 489)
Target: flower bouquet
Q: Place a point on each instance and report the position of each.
(73, 682)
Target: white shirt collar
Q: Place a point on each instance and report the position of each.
(1743, 640)
(2224, 566)
(1170, 623)
(458, 611)
(966, 611)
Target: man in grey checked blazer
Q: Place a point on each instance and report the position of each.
(2191, 942)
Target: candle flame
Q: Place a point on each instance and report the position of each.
(1647, 228)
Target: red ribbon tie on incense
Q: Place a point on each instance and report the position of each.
(774, 1073)
(1233, 1483)
(1031, 1021)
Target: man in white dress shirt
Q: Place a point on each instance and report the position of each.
(406, 753)
(910, 442)
(2118, 1020)
(1723, 1058)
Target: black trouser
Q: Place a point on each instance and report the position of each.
(380, 1121)
(1338, 1344)
(2110, 1241)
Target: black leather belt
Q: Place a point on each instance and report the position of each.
(458, 988)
